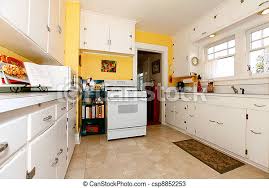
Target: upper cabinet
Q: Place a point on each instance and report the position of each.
(56, 35)
(16, 16)
(226, 14)
(38, 22)
(34, 29)
(105, 33)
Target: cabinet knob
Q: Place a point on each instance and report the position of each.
(48, 28)
(85, 29)
(131, 48)
(131, 36)
(55, 162)
(85, 43)
(3, 146)
(59, 29)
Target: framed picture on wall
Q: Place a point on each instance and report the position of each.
(156, 67)
(109, 66)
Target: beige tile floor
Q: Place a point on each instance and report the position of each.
(153, 156)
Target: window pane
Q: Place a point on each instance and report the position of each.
(224, 67)
(221, 54)
(257, 44)
(220, 47)
(210, 50)
(232, 51)
(231, 44)
(210, 57)
(256, 36)
(266, 32)
(266, 42)
(257, 61)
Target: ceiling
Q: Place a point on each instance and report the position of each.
(159, 16)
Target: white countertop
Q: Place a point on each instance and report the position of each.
(13, 101)
(226, 95)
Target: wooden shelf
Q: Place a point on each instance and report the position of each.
(17, 41)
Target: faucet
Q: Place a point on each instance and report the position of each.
(235, 90)
(243, 91)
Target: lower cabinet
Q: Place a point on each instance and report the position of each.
(61, 148)
(71, 129)
(181, 112)
(170, 112)
(42, 157)
(258, 137)
(15, 168)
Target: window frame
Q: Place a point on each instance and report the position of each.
(214, 44)
(249, 44)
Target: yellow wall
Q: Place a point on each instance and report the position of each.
(91, 67)
(72, 35)
(72, 41)
(158, 39)
(7, 52)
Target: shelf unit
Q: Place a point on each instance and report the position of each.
(91, 123)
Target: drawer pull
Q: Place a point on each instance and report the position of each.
(191, 116)
(60, 152)
(263, 3)
(220, 123)
(55, 162)
(63, 108)
(3, 146)
(255, 132)
(211, 121)
(259, 106)
(47, 118)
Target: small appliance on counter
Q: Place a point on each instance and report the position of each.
(180, 87)
(210, 87)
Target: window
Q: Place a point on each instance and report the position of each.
(220, 59)
(259, 51)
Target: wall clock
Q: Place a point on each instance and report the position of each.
(195, 61)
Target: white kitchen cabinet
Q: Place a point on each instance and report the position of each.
(15, 168)
(170, 112)
(104, 33)
(61, 140)
(71, 131)
(181, 114)
(56, 34)
(191, 118)
(181, 56)
(94, 32)
(42, 155)
(258, 137)
(38, 22)
(16, 12)
(122, 36)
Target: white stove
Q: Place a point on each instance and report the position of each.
(126, 110)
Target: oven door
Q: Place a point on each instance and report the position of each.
(126, 113)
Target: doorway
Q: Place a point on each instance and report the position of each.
(149, 78)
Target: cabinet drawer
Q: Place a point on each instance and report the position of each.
(15, 168)
(61, 109)
(40, 121)
(13, 135)
(260, 105)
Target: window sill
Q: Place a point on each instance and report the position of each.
(238, 78)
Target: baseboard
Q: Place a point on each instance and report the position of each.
(77, 138)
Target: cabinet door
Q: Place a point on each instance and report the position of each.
(61, 141)
(71, 129)
(42, 155)
(170, 112)
(202, 121)
(191, 119)
(60, 56)
(15, 168)
(54, 43)
(94, 32)
(181, 49)
(181, 114)
(258, 137)
(227, 127)
(16, 12)
(122, 37)
(38, 22)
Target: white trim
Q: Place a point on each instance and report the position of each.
(158, 49)
(77, 138)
